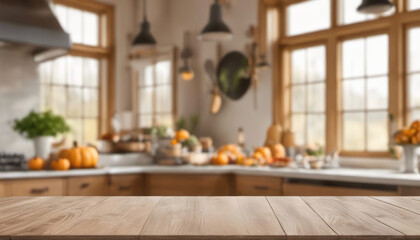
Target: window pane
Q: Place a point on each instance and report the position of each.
(354, 58)
(61, 13)
(316, 97)
(59, 71)
(76, 129)
(377, 131)
(316, 64)
(147, 78)
(299, 66)
(414, 49)
(59, 100)
(45, 72)
(308, 16)
(45, 97)
(298, 127)
(377, 94)
(74, 105)
(377, 55)
(90, 29)
(316, 129)
(74, 71)
(354, 132)
(90, 130)
(75, 25)
(353, 94)
(348, 12)
(145, 121)
(414, 90)
(90, 102)
(163, 99)
(163, 72)
(146, 100)
(413, 4)
(298, 98)
(91, 72)
(415, 115)
(165, 120)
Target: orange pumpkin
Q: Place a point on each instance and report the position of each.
(182, 135)
(36, 163)
(80, 157)
(60, 164)
(220, 159)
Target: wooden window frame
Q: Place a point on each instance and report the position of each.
(105, 51)
(407, 109)
(139, 55)
(396, 27)
(289, 84)
(365, 78)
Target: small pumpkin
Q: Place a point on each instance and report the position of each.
(80, 157)
(36, 163)
(60, 164)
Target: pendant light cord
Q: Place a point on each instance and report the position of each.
(144, 10)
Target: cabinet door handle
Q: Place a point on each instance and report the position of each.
(262, 188)
(124, 188)
(39, 190)
(84, 185)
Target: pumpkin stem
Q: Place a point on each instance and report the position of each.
(75, 144)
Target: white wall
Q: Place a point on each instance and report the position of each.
(19, 94)
(192, 15)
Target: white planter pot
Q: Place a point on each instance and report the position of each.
(43, 147)
(410, 159)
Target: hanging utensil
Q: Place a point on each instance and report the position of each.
(233, 76)
(216, 97)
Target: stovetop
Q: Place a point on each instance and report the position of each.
(12, 161)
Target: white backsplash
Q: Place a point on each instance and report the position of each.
(19, 94)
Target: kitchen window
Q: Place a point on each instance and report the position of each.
(413, 74)
(413, 5)
(365, 94)
(77, 86)
(308, 95)
(347, 13)
(154, 91)
(308, 16)
(371, 74)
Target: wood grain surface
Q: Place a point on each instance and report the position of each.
(298, 220)
(348, 222)
(134, 218)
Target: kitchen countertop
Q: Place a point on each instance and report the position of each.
(112, 218)
(372, 176)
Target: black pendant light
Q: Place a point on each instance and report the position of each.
(145, 37)
(216, 29)
(376, 7)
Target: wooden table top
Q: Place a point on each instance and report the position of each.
(104, 218)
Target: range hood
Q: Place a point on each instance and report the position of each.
(32, 27)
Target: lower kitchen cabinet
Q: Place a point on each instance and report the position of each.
(88, 186)
(258, 186)
(188, 184)
(36, 187)
(408, 191)
(322, 188)
(127, 185)
(2, 189)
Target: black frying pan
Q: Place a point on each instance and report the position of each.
(233, 75)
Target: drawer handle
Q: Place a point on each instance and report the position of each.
(124, 188)
(263, 188)
(84, 185)
(39, 190)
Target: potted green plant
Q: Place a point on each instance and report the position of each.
(41, 128)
